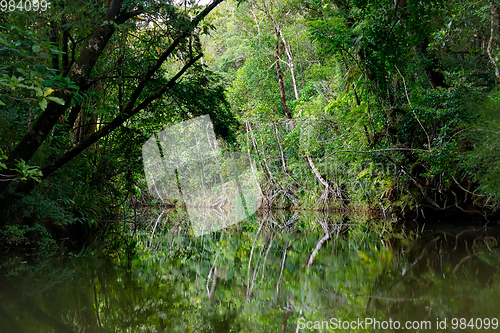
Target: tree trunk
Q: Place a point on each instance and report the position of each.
(319, 244)
(495, 13)
(80, 74)
(316, 172)
(65, 49)
(26, 187)
(54, 40)
(494, 18)
(289, 55)
(280, 80)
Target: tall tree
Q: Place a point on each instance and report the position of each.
(98, 42)
(280, 13)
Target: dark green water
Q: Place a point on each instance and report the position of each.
(274, 274)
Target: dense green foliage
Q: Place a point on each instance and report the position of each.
(75, 112)
(387, 100)
(386, 107)
(380, 105)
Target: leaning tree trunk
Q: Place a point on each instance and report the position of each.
(80, 74)
(26, 187)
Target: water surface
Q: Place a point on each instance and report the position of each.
(275, 273)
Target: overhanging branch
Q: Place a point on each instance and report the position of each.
(128, 112)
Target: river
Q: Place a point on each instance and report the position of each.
(279, 272)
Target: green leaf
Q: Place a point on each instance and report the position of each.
(363, 173)
(43, 103)
(57, 100)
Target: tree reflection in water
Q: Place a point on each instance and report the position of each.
(258, 276)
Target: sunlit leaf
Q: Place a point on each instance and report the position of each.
(48, 92)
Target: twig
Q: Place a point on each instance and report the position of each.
(370, 151)
(154, 228)
(462, 261)
(411, 108)
(478, 195)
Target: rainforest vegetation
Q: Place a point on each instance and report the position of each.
(375, 131)
(388, 107)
